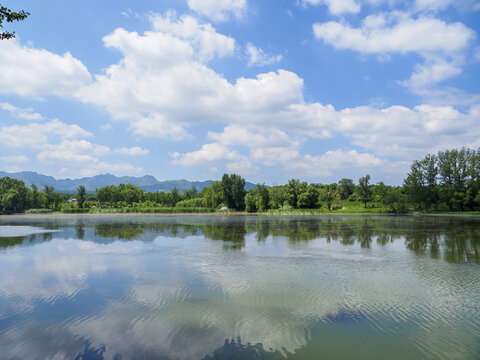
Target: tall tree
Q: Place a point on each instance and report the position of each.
(233, 189)
(263, 197)
(364, 189)
(347, 187)
(81, 192)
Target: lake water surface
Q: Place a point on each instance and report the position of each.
(239, 287)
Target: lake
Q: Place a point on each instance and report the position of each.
(239, 287)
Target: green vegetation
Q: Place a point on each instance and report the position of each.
(10, 16)
(448, 181)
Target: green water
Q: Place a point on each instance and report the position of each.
(239, 287)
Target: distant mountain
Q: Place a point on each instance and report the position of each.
(147, 182)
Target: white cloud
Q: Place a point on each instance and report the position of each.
(257, 56)
(326, 164)
(396, 33)
(27, 114)
(442, 45)
(14, 158)
(401, 132)
(134, 151)
(441, 5)
(36, 135)
(204, 39)
(219, 10)
(336, 7)
(32, 72)
(71, 151)
(432, 72)
(208, 153)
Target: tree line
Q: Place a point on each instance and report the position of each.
(447, 181)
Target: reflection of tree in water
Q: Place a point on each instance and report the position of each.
(235, 350)
(458, 238)
(231, 232)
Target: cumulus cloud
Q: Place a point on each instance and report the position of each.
(36, 135)
(28, 71)
(26, 114)
(336, 7)
(257, 57)
(71, 151)
(134, 151)
(441, 44)
(219, 10)
(14, 158)
(396, 33)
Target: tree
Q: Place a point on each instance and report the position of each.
(175, 196)
(364, 190)
(347, 187)
(251, 200)
(10, 16)
(34, 197)
(329, 196)
(48, 196)
(81, 191)
(233, 189)
(263, 197)
(294, 189)
(213, 195)
(308, 199)
(13, 194)
(277, 196)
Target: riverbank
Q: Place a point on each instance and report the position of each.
(240, 213)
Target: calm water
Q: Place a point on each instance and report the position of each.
(239, 287)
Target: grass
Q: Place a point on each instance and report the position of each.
(152, 210)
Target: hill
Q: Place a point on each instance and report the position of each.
(147, 182)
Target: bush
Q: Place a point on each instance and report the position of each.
(75, 211)
(38, 211)
(190, 203)
(155, 210)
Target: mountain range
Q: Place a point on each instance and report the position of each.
(147, 182)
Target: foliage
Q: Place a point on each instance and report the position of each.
(38, 211)
(213, 195)
(346, 188)
(308, 197)
(233, 190)
(329, 196)
(190, 203)
(81, 192)
(10, 16)
(364, 189)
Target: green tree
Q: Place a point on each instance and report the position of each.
(308, 199)
(34, 197)
(277, 196)
(251, 200)
(15, 200)
(329, 196)
(10, 16)
(263, 197)
(364, 189)
(81, 192)
(294, 190)
(347, 187)
(175, 196)
(213, 195)
(233, 189)
(48, 197)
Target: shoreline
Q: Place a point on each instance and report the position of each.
(287, 214)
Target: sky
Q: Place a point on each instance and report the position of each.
(316, 90)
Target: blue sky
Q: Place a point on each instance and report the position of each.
(271, 89)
